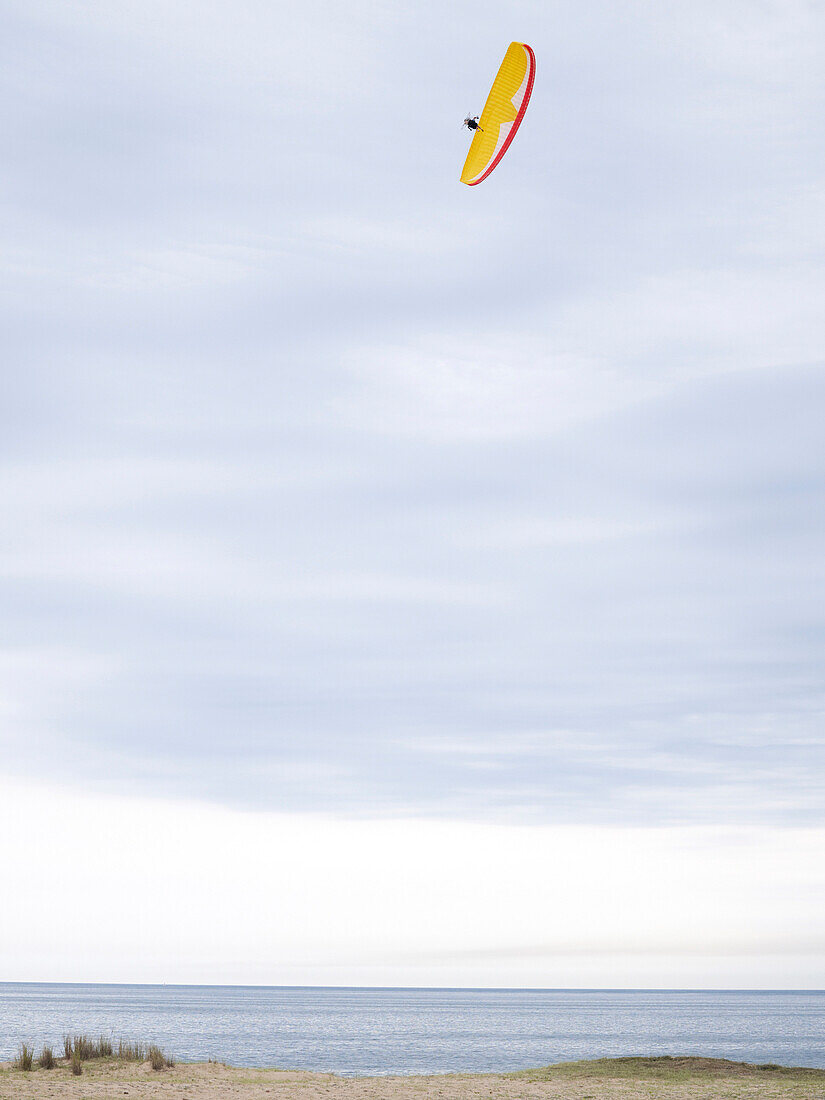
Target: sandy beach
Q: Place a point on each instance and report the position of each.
(616, 1079)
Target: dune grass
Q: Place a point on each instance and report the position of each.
(157, 1059)
(24, 1059)
(87, 1047)
(128, 1051)
(47, 1059)
(80, 1048)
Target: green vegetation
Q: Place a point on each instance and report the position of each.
(88, 1048)
(78, 1049)
(157, 1059)
(668, 1068)
(47, 1059)
(131, 1052)
(25, 1056)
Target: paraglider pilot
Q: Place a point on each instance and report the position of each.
(471, 123)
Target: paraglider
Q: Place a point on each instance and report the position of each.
(495, 128)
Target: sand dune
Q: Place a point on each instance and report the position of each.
(614, 1079)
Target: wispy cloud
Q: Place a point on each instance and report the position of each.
(314, 460)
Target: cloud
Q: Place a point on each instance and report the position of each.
(314, 459)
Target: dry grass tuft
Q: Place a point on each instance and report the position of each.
(88, 1048)
(128, 1051)
(47, 1059)
(82, 1047)
(157, 1059)
(25, 1057)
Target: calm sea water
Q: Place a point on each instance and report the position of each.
(375, 1031)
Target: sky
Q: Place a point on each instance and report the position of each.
(457, 550)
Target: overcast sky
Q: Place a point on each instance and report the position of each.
(338, 495)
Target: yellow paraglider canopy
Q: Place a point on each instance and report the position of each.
(502, 113)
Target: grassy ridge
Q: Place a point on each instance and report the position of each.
(668, 1068)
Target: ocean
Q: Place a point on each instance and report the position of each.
(383, 1031)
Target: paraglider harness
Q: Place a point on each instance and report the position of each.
(472, 122)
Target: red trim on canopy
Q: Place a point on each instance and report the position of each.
(517, 121)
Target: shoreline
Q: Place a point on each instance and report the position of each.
(686, 1078)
